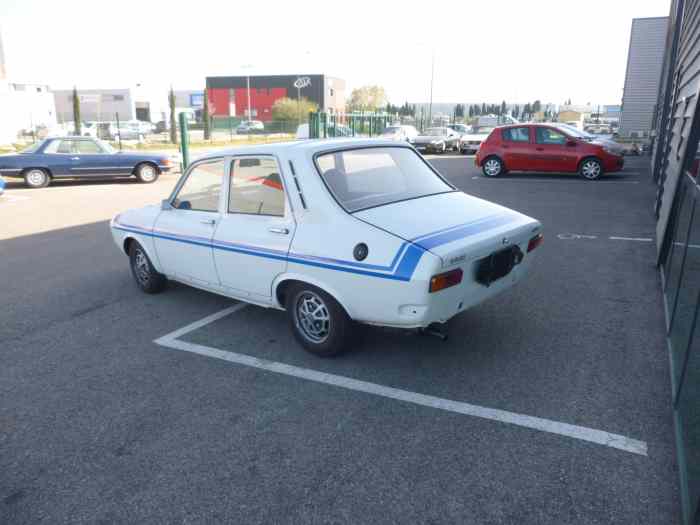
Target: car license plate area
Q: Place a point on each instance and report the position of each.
(498, 265)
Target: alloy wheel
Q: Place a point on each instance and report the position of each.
(141, 267)
(148, 173)
(492, 167)
(312, 317)
(590, 169)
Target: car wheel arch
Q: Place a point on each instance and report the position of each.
(147, 247)
(142, 162)
(589, 157)
(284, 282)
(42, 168)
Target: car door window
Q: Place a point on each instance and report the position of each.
(516, 134)
(256, 187)
(65, 147)
(202, 189)
(87, 147)
(549, 136)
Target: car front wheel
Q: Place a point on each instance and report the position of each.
(146, 276)
(36, 178)
(590, 169)
(146, 173)
(493, 167)
(318, 322)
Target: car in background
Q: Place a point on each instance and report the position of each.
(400, 132)
(546, 148)
(130, 130)
(462, 129)
(469, 143)
(83, 158)
(437, 140)
(250, 126)
(2, 185)
(231, 227)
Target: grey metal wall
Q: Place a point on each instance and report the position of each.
(644, 62)
(101, 104)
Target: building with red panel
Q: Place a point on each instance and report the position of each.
(228, 96)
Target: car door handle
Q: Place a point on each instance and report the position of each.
(75, 158)
(539, 149)
(210, 222)
(281, 231)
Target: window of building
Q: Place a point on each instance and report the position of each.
(256, 187)
(202, 189)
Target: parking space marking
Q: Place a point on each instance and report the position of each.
(638, 239)
(591, 435)
(11, 199)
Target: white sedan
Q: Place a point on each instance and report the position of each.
(333, 232)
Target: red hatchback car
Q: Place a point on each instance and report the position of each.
(549, 147)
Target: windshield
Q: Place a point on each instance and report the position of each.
(574, 132)
(33, 148)
(435, 132)
(369, 177)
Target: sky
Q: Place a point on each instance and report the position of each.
(485, 50)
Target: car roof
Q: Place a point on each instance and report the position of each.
(308, 146)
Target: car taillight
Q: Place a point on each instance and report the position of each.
(167, 162)
(445, 280)
(535, 242)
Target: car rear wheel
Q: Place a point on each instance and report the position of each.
(492, 167)
(590, 169)
(36, 178)
(146, 173)
(146, 276)
(318, 322)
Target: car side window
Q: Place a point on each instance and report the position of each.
(256, 187)
(516, 134)
(65, 147)
(87, 147)
(549, 136)
(52, 147)
(202, 189)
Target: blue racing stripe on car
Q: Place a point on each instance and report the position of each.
(402, 267)
(463, 231)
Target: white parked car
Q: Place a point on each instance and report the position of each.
(333, 232)
(400, 132)
(469, 143)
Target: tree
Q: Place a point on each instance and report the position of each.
(367, 98)
(291, 109)
(76, 111)
(504, 108)
(173, 121)
(459, 111)
(516, 111)
(536, 106)
(205, 116)
(527, 112)
(483, 108)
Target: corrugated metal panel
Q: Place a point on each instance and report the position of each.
(644, 64)
(684, 121)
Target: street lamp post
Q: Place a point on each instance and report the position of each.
(432, 76)
(248, 66)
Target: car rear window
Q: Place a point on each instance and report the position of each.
(369, 177)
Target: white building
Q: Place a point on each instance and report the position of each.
(23, 106)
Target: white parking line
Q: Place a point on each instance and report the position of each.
(599, 437)
(11, 199)
(638, 239)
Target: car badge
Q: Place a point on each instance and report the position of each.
(504, 240)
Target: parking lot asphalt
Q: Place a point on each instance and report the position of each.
(99, 423)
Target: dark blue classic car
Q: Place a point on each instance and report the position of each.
(80, 157)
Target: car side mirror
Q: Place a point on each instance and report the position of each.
(571, 143)
(165, 205)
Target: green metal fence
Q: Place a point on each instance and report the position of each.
(329, 125)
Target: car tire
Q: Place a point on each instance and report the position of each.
(146, 173)
(325, 334)
(590, 169)
(443, 148)
(492, 167)
(36, 178)
(145, 275)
